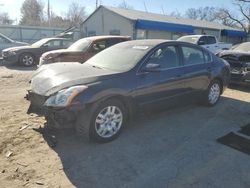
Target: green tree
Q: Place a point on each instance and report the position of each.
(31, 13)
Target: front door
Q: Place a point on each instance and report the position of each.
(163, 82)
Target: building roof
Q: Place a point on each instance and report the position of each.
(135, 15)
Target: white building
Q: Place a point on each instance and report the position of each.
(143, 25)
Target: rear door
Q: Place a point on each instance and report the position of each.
(197, 67)
(166, 82)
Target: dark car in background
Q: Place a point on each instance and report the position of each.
(82, 49)
(29, 55)
(99, 96)
(239, 59)
(6, 42)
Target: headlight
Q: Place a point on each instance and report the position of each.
(64, 97)
(12, 52)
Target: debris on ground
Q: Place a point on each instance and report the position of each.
(24, 127)
(8, 154)
(39, 183)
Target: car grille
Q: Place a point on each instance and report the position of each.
(233, 61)
(244, 58)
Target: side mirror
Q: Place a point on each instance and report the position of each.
(151, 67)
(201, 42)
(45, 45)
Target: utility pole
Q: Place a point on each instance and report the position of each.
(145, 7)
(96, 4)
(48, 12)
(163, 12)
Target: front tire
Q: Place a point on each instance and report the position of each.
(104, 122)
(213, 93)
(27, 60)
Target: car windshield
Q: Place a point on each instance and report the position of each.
(121, 57)
(80, 45)
(244, 47)
(40, 43)
(191, 39)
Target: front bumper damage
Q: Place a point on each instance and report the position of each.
(240, 77)
(63, 117)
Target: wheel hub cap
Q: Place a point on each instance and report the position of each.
(28, 60)
(108, 122)
(214, 93)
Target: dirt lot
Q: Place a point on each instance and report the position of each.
(175, 148)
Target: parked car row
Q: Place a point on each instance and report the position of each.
(29, 55)
(99, 83)
(59, 49)
(99, 96)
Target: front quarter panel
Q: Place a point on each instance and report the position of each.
(121, 85)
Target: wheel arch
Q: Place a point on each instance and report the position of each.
(126, 101)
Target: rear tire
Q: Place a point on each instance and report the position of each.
(212, 95)
(103, 122)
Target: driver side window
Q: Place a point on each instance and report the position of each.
(165, 56)
(98, 46)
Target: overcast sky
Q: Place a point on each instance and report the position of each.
(156, 6)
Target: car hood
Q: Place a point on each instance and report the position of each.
(49, 79)
(55, 53)
(234, 53)
(18, 48)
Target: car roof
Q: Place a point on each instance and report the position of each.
(154, 42)
(93, 38)
(54, 38)
(198, 36)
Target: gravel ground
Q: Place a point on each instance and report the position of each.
(174, 148)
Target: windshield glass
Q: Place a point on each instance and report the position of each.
(80, 45)
(121, 57)
(244, 47)
(40, 43)
(190, 39)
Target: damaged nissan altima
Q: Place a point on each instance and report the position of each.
(99, 96)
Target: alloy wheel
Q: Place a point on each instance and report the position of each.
(108, 121)
(28, 60)
(214, 93)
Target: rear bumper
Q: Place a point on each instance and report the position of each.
(62, 117)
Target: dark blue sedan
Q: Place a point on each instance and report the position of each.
(99, 96)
